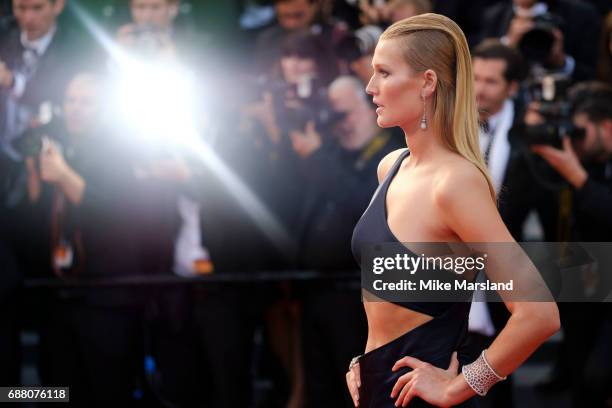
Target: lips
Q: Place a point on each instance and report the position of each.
(379, 107)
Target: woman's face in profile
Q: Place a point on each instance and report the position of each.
(395, 89)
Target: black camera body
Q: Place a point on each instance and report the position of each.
(297, 104)
(30, 143)
(550, 91)
(536, 44)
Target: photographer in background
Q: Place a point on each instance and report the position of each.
(33, 69)
(558, 35)
(499, 72)
(340, 174)
(151, 28)
(293, 16)
(89, 340)
(355, 52)
(292, 94)
(586, 164)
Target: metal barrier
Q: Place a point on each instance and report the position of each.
(171, 279)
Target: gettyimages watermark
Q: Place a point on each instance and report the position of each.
(453, 272)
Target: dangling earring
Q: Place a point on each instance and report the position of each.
(424, 118)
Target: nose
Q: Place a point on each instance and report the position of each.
(370, 88)
(28, 17)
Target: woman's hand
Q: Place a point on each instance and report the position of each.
(424, 381)
(353, 381)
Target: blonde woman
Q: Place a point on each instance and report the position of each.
(436, 190)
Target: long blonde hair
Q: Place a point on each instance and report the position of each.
(432, 41)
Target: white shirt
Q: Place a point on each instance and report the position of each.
(499, 151)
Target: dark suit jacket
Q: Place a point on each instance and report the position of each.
(339, 186)
(581, 31)
(593, 205)
(520, 192)
(55, 68)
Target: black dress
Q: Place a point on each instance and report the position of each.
(432, 342)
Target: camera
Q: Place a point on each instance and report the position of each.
(148, 41)
(551, 92)
(298, 103)
(536, 44)
(304, 102)
(30, 143)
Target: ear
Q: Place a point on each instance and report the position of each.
(430, 82)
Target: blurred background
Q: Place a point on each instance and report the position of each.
(179, 182)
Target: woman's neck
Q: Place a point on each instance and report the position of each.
(423, 144)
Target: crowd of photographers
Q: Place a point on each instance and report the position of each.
(148, 150)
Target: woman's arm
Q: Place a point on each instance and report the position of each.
(468, 210)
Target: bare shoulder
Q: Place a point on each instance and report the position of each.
(458, 178)
(387, 162)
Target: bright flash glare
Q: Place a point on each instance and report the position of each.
(156, 101)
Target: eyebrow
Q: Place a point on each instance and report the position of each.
(384, 66)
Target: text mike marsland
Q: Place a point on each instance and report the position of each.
(437, 285)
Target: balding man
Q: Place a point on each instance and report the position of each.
(341, 175)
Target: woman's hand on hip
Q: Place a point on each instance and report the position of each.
(353, 381)
(425, 381)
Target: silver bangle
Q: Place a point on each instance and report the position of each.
(480, 376)
(354, 361)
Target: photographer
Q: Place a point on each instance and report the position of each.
(356, 52)
(293, 93)
(586, 165)
(559, 35)
(340, 174)
(293, 16)
(150, 31)
(498, 73)
(89, 209)
(33, 68)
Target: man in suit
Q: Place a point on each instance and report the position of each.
(498, 70)
(37, 58)
(33, 67)
(33, 73)
(574, 49)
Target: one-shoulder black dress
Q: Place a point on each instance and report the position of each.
(432, 342)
